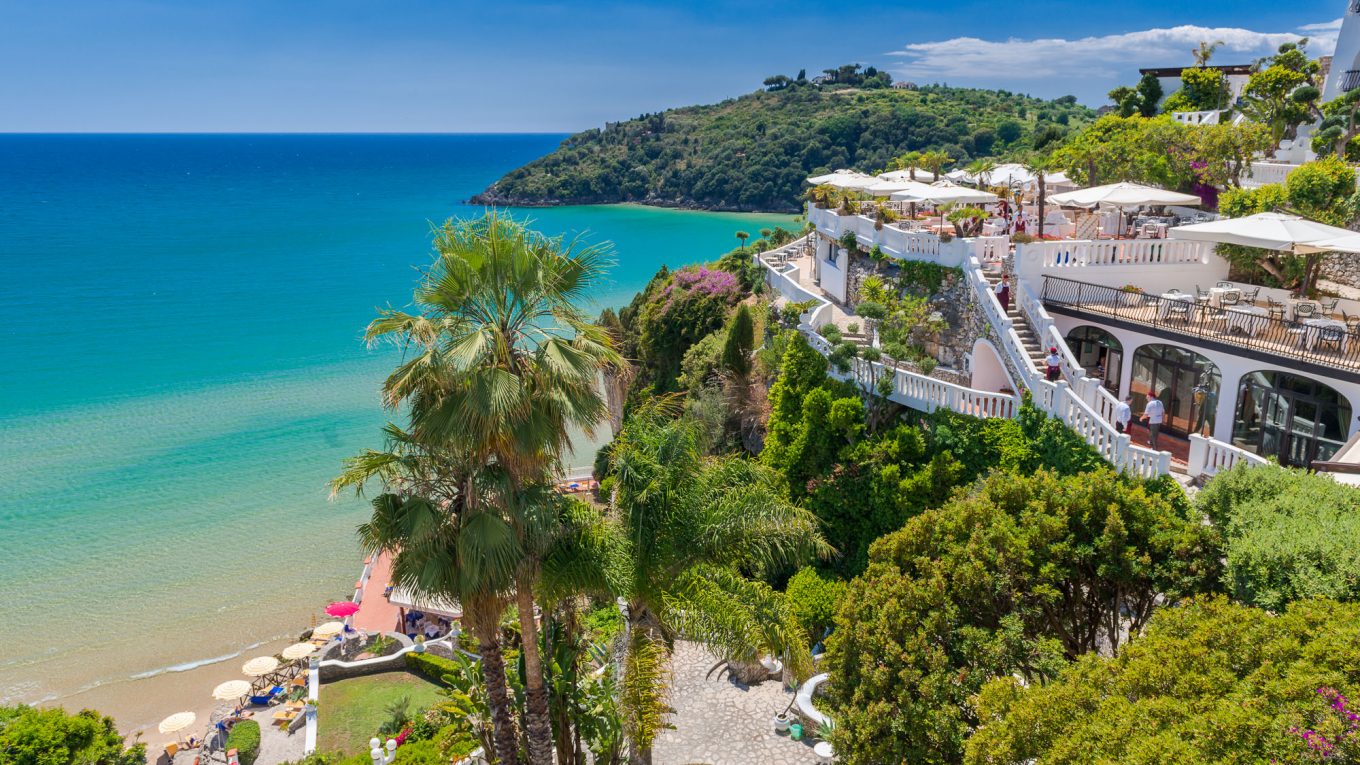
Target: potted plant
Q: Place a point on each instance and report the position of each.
(1130, 296)
(782, 721)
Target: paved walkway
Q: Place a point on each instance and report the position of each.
(375, 613)
(720, 722)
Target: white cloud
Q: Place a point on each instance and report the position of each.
(1093, 59)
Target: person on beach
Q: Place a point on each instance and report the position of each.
(1003, 292)
(1123, 412)
(1153, 413)
(1054, 365)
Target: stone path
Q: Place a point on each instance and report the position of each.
(721, 722)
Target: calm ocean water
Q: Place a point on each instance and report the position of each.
(182, 372)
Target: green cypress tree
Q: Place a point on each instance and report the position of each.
(741, 334)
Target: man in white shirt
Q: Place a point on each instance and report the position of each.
(1123, 412)
(1153, 413)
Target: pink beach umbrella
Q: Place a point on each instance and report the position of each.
(341, 609)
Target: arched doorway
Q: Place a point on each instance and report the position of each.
(1186, 382)
(1292, 418)
(1099, 353)
(989, 372)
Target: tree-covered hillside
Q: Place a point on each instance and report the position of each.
(753, 152)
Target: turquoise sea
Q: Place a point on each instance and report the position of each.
(182, 371)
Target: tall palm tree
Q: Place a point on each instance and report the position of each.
(981, 169)
(448, 540)
(1040, 165)
(504, 363)
(692, 526)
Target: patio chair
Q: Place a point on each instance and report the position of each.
(1228, 285)
(1250, 295)
(1274, 308)
(1201, 296)
(1231, 297)
(1332, 336)
(1352, 322)
(1173, 291)
(1304, 311)
(1178, 310)
(1329, 305)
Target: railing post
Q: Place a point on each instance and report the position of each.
(1199, 453)
(1121, 449)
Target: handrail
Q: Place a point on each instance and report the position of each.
(1320, 343)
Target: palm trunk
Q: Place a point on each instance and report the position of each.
(487, 630)
(537, 720)
(1041, 205)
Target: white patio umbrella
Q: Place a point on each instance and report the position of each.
(329, 629)
(298, 651)
(260, 666)
(888, 188)
(177, 722)
(905, 175)
(941, 194)
(845, 179)
(231, 690)
(1123, 195)
(1272, 231)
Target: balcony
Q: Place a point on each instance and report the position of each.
(1329, 346)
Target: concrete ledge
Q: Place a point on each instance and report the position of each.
(803, 701)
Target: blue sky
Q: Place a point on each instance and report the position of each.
(416, 66)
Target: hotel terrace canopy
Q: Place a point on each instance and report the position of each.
(945, 194)
(1012, 174)
(845, 179)
(905, 175)
(1273, 231)
(1122, 195)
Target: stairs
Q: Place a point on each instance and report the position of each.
(1034, 348)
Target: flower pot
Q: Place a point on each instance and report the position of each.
(781, 723)
(796, 731)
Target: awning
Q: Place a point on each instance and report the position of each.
(1272, 231)
(1123, 195)
(402, 597)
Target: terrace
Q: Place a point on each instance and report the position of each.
(1316, 336)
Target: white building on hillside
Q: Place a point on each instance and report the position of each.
(1344, 74)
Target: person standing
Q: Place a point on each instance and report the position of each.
(1054, 365)
(1003, 293)
(1153, 413)
(1123, 412)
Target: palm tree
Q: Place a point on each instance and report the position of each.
(981, 169)
(742, 236)
(909, 162)
(691, 525)
(935, 162)
(1040, 165)
(1205, 51)
(446, 539)
(505, 362)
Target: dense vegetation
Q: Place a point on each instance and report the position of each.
(30, 736)
(754, 152)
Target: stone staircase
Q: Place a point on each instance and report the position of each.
(1034, 348)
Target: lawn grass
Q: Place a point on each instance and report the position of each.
(350, 711)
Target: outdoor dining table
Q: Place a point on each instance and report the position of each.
(1312, 332)
(1216, 295)
(1249, 319)
(1164, 305)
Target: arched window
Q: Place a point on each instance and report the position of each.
(1186, 382)
(1099, 353)
(1295, 419)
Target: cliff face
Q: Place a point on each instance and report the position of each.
(753, 153)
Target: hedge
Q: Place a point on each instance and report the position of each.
(245, 739)
(430, 666)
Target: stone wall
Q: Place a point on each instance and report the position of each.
(1342, 268)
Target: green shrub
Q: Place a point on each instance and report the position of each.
(32, 736)
(431, 667)
(604, 623)
(831, 332)
(1289, 535)
(245, 739)
(420, 753)
(813, 601)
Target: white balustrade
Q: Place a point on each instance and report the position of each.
(1263, 173)
(1075, 253)
(1208, 456)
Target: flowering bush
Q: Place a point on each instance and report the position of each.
(693, 304)
(1335, 735)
